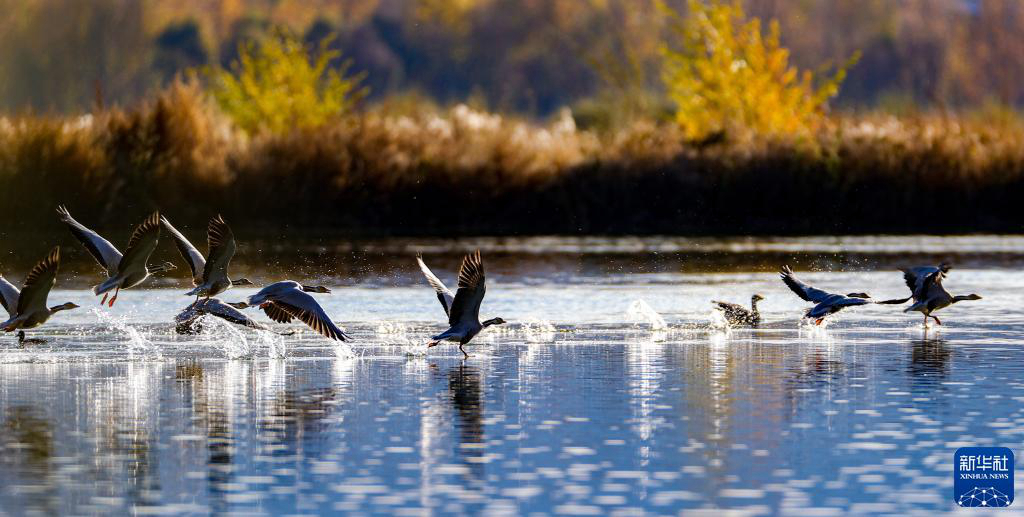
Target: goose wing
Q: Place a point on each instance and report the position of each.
(444, 295)
(142, 244)
(226, 312)
(923, 280)
(276, 313)
(808, 293)
(9, 296)
(304, 308)
(221, 242)
(730, 307)
(195, 260)
(101, 249)
(38, 283)
(849, 301)
(466, 303)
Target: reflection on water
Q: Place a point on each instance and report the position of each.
(571, 408)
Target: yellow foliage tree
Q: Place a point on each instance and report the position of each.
(277, 86)
(728, 78)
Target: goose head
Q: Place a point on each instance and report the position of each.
(315, 289)
(859, 295)
(63, 307)
(493, 321)
(963, 298)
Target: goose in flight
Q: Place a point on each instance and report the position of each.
(186, 322)
(826, 303)
(737, 314)
(287, 300)
(27, 308)
(925, 283)
(463, 308)
(123, 271)
(209, 274)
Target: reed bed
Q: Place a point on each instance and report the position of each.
(466, 171)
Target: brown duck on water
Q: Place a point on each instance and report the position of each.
(737, 314)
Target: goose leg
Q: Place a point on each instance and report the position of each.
(104, 300)
(937, 320)
(21, 336)
(819, 321)
(114, 299)
(465, 355)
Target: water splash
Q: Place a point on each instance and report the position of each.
(397, 334)
(718, 323)
(137, 342)
(536, 330)
(274, 343)
(640, 312)
(225, 337)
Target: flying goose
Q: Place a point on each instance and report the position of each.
(123, 271)
(27, 308)
(186, 320)
(287, 300)
(737, 314)
(210, 274)
(463, 308)
(925, 283)
(827, 303)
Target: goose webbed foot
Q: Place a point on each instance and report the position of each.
(464, 354)
(937, 320)
(818, 322)
(114, 299)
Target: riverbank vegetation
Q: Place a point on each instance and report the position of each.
(742, 141)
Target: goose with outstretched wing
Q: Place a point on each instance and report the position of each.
(123, 271)
(188, 321)
(210, 273)
(825, 303)
(464, 307)
(288, 300)
(27, 307)
(925, 284)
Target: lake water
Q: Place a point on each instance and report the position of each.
(614, 389)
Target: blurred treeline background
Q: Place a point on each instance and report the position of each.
(371, 117)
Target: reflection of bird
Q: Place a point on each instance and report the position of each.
(737, 314)
(210, 274)
(123, 271)
(463, 308)
(27, 308)
(929, 360)
(187, 321)
(464, 384)
(287, 300)
(926, 290)
(827, 303)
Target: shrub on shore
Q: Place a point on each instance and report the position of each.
(466, 171)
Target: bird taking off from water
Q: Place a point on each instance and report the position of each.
(288, 300)
(463, 308)
(925, 283)
(826, 303)
(209, 274)
(123, 271)
(27, 308)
